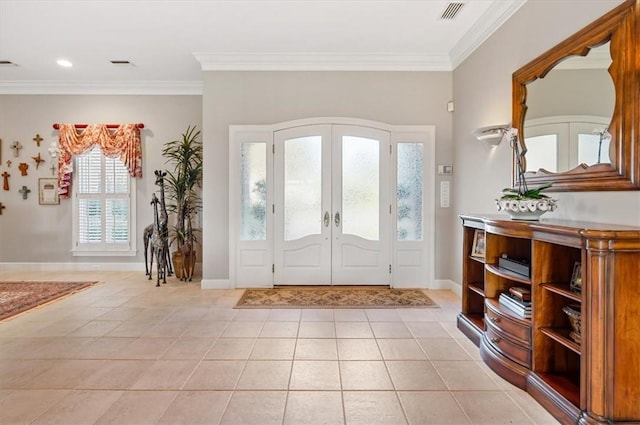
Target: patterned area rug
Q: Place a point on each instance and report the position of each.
(334, 297)
(18, 297)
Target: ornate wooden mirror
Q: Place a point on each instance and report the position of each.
(612, 114)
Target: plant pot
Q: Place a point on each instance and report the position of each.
(526, 209)
(178, 261)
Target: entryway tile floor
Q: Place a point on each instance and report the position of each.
(125, 352)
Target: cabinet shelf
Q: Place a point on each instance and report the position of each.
(562, 290)
(477, 320)
(507, 274)
(477, 288)
(561, 336)
(565, 386)
(478, 259)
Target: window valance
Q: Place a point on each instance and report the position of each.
(122, 142)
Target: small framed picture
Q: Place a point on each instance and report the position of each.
(477, 249)
(576, 278)
(48, 192)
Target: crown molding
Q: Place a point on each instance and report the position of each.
(102, 87)
(496, 15)
(321, 62)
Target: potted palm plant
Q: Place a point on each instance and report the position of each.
(183, 185)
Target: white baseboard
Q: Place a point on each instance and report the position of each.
(215, 284)
(447, 284)
(123, 267)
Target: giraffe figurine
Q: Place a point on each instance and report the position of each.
(148, 231)
(163, 219)
(157, 246)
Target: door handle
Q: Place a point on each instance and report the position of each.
(337, 219)
(327, 219)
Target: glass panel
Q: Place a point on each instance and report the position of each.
(409, 192)
(542, 152)
(90, 221)
(302, 187)
(361, 187)
(593, 149)
(117, 221)
(89, 166)
(253, 196)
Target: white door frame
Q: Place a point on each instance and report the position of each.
(251, 261)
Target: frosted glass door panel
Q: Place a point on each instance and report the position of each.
(361, 187)
(302, 187)
(409, 192)
(253, 191)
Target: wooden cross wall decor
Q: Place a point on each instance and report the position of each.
(5, 182)
(9, 163)
(16, 146)
(38, 160)
(25, 192)
(1, 208)
(38, 139)
(53, 168)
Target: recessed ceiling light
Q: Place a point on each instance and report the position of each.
(64, 63)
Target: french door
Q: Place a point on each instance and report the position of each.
(331, 201)
(331, 206)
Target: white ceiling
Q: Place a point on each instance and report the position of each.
(170, 43)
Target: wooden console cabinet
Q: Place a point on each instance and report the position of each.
(593, 381)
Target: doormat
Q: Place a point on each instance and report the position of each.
(334, 297)
(18, 297)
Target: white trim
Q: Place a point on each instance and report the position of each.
(447, 284)
(128, 267)
(322, 62)
(561, 119)
(192, 88)
(496, 15)
(215, 284)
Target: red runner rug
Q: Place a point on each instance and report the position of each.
(18, 297)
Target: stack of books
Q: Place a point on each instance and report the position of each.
(517, 301)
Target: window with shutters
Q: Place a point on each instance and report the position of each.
(104, 206)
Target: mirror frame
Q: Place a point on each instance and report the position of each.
(621, 26)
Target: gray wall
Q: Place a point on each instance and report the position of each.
(272, 97)
(30, 232)
(482, 92)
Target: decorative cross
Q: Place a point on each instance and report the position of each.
(38, 139)
(5, 183)
(16, 146)
(38, 160)
(8, 163)
(25, 191)
(1, 208)
(23, 167)
(53, 168)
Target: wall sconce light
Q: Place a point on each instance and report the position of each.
(492, 134)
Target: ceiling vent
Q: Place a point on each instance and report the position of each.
(8, 63)
(452, 10)
(121, 62)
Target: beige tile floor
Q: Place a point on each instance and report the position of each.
(125, 352)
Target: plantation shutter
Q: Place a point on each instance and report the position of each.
(103, 196)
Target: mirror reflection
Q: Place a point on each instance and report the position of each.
(568, 114)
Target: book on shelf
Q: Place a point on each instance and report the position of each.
(520, 293)
(520, 308)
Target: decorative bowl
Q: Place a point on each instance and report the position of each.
(573, 312)
(526, 209)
